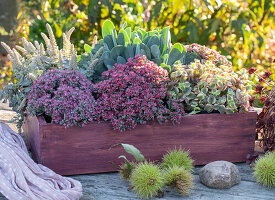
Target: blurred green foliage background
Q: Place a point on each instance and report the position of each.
(243, 30)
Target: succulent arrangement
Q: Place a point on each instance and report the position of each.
(134, 76)
(147, 179)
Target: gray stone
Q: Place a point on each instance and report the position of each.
(220, 175)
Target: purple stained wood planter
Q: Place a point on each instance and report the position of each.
(209, 137)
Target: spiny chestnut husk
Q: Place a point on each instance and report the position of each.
(179, 179)
(264, 170)
(147, 180)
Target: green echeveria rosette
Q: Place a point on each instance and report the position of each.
(177, 158)
(147, 180)
(264, 170)
(179, 179)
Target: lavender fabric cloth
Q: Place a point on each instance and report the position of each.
(22, 178)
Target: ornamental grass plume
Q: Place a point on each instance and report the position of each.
(63, 95)
(179, 179)
(147, 180)
(134, 93)
(264, 170)
(177, 158)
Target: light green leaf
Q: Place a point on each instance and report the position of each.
(129, 166)
(133, 151)
(126, 37)
(166, 36)
(87, 48)
(58, 30)
(179, 46)
(137, 40)
(128, 31)
(107, 28)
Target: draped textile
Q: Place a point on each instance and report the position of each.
(21, 178)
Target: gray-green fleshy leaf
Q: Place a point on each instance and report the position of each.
(174, 55)
(117, 51)
(121, 60)
(155, 51)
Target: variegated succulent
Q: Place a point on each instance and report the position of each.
(33, 61)
(206, 87)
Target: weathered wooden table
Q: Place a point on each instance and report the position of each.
(109, 186)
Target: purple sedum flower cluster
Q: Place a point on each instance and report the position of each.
(64, 95)
(130, 94)
(135, 93)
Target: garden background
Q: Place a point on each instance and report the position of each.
(244, 31)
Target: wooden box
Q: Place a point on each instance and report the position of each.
(209, 137)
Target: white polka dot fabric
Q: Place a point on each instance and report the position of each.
(22, 178)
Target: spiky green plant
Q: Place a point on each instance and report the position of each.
(147, 180)
(206, 87)
(177, 157)
(264, 170)
(179, 179)
(33, 61)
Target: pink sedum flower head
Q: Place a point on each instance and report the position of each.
(135, 93)
(63, 95)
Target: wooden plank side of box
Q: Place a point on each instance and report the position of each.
(209, 137)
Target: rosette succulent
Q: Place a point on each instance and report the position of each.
(206, 87)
